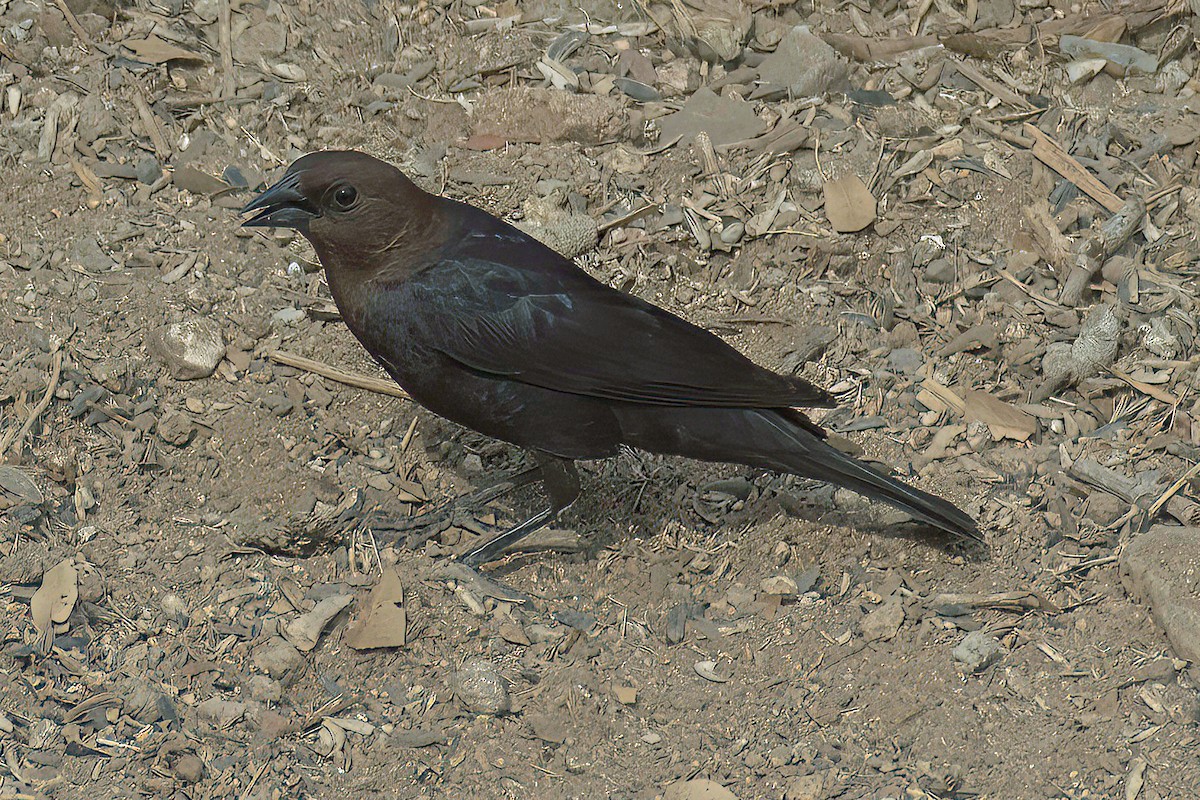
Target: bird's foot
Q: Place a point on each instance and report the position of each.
(458, 512)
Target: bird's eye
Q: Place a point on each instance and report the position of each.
(345, 196)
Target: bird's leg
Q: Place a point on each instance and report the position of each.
(432, 522)
(561, 481)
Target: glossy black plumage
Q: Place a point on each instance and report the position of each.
(489, 328)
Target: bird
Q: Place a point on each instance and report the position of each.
(485, 326)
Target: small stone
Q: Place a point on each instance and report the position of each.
(803, 64)
(87, 253)
(234, 176)
(481, 688)
(571, 235)
(626, 695)
(197, 181)
(278, 659)
(257, 41)
(724, 119)
(273, 725)
(265, 690)
(978, 651)
(806, 787)
(884, 622)
(176, 429)
(905, 360)
(142, 703)
(539, 634)
(191, 349)
(1104, 509)
(733, 233)
(173, 605)
(207, 10)
(221, 713)
(780, 585)
(940, 270)
(779, 756)
(148, 170)
(189, 768)
(290, 72)
(279, 403)
(289, 315)
(1161, 567)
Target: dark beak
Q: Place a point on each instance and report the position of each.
(281, 206)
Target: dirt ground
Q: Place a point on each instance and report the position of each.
(193, 567)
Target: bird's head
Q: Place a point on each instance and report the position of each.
(349, 205)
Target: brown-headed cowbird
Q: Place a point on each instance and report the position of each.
(491, 329)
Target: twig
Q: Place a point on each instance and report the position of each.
(1173, 488)
(157, 138)
(992, 87)
(5, 52)
(85, 41)
(1090, 253)
(37, 410)
(1054, 156)
(632, 216)
(1038, 296)
(377, 385)
(225, 38)
(1147, 389)
(258, 773)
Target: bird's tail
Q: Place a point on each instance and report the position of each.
(814, 457)
(786, 441)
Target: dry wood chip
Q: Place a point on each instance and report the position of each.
(53, 601)
(950, 399)
(384, 623)
(305, 631)
(939, 445)
(708, 671)
(156, 51)
(698, 789)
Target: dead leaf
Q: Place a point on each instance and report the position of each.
(1005, 421)
(53, 601)
(384, 622)
(154, 50)
(849, 204)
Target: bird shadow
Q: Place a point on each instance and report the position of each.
(637, 495)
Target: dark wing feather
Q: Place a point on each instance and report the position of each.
(505, 305)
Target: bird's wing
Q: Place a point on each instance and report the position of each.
(510, 307)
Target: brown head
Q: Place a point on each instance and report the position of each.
(357, 211)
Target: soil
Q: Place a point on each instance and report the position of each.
(698, 630)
